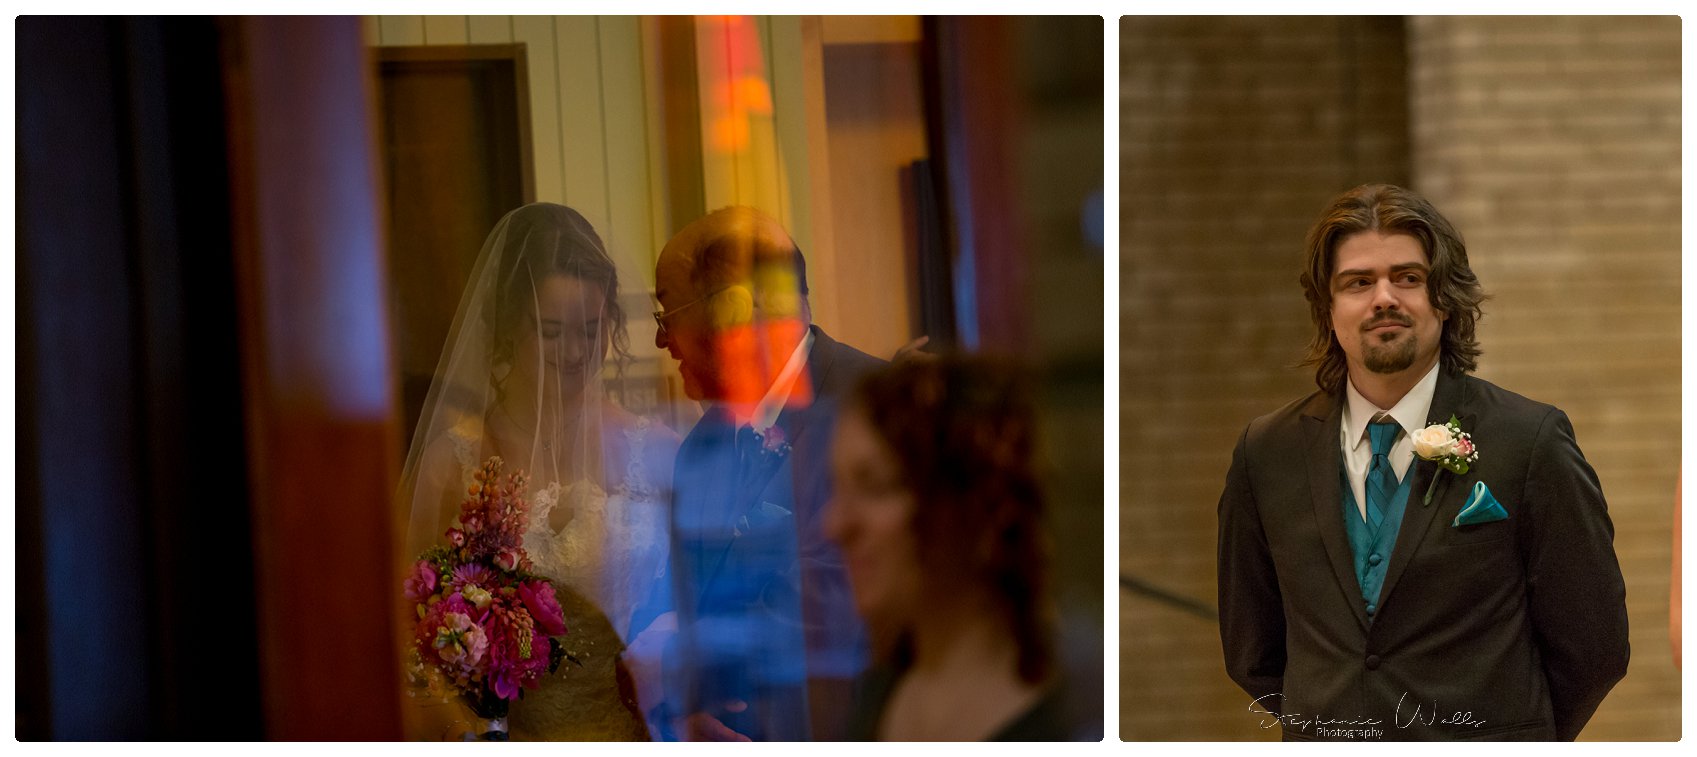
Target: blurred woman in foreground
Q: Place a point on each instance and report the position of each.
(940, 519)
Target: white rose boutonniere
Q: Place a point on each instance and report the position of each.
(1448, 446)
(1434, 441)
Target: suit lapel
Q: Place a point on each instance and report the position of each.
(795, 421)
(1449, 398)
(1320, 421)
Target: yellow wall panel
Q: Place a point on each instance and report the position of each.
(445, 30)
(583, 154)
(759, 167)
(718, 159)
(877, 124)
(490, 30)
(537, 34)
(401, 30)
(630, 218)
(786, 49)
(739, 146)
(810, 162)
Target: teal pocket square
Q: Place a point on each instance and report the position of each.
(1481, 508)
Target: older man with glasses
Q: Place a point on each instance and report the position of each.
(768, 640)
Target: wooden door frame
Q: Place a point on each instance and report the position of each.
(514, 53)
(317, 379)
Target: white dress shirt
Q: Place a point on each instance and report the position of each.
(767, 410)
(1409, 412)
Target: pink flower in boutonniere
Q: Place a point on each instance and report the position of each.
(772, 442)
(1464, 448)
(1448, 446)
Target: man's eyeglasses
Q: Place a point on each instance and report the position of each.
(661, 315)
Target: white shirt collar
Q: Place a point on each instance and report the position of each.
(767, 410)
(1409, 412)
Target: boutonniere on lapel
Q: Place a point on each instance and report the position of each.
(773, 445)
(1448, 446)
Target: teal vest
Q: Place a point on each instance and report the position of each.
(1372, 549)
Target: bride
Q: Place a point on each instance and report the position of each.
(521, 377)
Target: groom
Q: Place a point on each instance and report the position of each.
(769, 641)
(1367, 593)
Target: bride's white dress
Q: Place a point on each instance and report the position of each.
(603, 561)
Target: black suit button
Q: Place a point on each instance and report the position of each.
(1371, 608)
(1372, 662)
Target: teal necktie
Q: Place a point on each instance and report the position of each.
(1381, 479)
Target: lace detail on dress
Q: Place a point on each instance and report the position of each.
(636, 483)
(610, 545)
(465, 437)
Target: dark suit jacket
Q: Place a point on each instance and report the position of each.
(763, 595)
(1520, 622)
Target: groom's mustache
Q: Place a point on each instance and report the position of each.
(1390, 316)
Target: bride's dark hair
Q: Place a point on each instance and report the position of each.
(539, 240)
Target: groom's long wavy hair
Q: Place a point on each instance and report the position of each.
(963, 432)
(1450, 284)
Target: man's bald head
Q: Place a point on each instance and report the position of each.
(732, 288)
(735, 246)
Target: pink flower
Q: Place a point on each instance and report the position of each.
(518, 652)
(473, 574)
(1463, 446)
(448, 633)
(773, 442)
(422, 583)
(455, 537)
(507, 560)
(460, 641)
(544, 606)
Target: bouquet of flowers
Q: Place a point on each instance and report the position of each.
(486, 625)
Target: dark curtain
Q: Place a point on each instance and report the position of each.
(136, 617)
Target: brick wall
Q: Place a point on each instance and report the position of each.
(1234, 133)
(1553, 144)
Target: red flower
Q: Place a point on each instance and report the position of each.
(518, 652)
(544, 606)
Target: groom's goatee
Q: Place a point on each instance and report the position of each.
(1390, 358)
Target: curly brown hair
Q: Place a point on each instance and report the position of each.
(963, 431)
(1451, 285)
